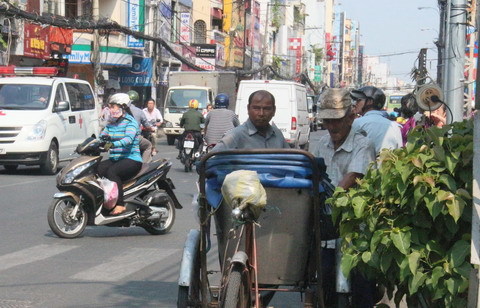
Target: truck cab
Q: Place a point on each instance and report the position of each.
(176, 103)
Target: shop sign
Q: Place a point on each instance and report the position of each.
(81, 54)
(36, 43)
(205, 50)
(135, 21)
(206, 64)
(139, 75)
(185, 27)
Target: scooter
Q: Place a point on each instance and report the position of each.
(149, 196)
(191, 150)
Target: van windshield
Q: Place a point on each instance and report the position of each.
(24, 97)
(177, 99)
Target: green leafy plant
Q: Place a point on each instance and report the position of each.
(407, 224)
(276, 20)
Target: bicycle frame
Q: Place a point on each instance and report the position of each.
(248, 231)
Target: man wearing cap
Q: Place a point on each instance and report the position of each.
(347, 155)
(384, 133)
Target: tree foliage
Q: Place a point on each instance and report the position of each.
(407, 224)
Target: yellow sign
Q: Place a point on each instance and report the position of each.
(37, 44)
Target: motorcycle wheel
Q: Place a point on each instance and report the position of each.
(60, 221)
(164, 224)
(188, 163)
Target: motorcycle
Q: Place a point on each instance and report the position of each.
(191, 150)
(149, 196)
(148, 134)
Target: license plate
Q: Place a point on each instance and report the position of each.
(2, 151)
(188, 144)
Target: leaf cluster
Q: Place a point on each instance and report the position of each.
(407, 224)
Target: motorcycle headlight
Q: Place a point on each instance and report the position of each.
(70, 176)
(38, 131)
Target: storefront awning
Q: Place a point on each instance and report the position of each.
(114, 56)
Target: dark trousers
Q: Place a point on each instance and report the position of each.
(197, 136)
(119, 171)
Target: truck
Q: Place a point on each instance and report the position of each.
(202, 86)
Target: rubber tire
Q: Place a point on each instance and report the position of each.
(52, 219)
(187, 164)
(235, 292)
(169, 224)
(171, 139)
(50, 165)
(10, 168)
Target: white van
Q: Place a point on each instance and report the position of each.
(43, 119)
(291, 115)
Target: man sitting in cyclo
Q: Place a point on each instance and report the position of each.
(256, 133)
(347, 154)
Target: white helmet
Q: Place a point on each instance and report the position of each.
(121, 99)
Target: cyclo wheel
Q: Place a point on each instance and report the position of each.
(237, 294)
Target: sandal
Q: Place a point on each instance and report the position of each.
(118, 212)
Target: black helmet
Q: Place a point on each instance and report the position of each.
(372, 93)
(221, 101)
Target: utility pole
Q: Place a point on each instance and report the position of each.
(442, 4)
(95, 58)
(154, 48)
(265, 40)
(455, 56)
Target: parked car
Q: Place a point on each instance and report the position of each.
(43, 118)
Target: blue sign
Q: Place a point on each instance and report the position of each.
(139, 75)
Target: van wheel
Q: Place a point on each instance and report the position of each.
(10, 167)
(170, 139)
(50, 165)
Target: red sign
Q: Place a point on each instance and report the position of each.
(295, 43)
(36, 43)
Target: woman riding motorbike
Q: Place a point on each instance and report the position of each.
(124, 160)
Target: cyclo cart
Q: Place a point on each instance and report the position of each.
(280, 252)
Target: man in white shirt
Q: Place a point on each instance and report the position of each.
(155, 118)
(384, 133)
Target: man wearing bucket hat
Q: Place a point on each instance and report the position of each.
(384, 133)
(347, 155)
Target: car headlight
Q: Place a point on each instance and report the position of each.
(70, 176)
(38, 131)
(168, 124)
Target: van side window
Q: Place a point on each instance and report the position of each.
(81, 97)
(59, 96)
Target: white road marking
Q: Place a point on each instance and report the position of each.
(21, 183)
(32, 254)
(127, 263)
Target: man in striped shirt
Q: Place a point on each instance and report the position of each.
(220, 120)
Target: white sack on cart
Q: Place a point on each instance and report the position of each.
(243, 189)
